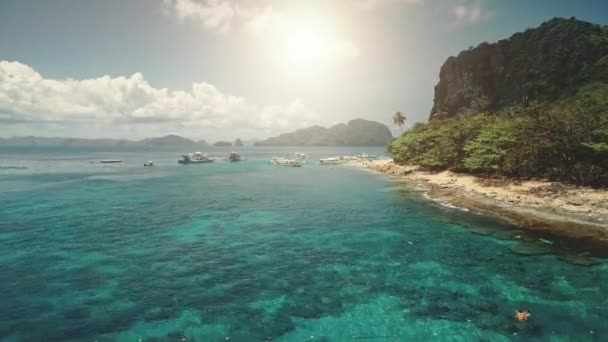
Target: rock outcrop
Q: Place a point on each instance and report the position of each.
(546, 63)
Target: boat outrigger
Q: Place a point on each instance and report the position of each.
(285, 162)
(195, 158)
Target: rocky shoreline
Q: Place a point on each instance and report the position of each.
(552, 208)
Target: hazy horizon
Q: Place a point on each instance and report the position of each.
(222, 69)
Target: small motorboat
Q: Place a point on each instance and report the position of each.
(110, 161)
(195, 158)
(149, 163)
(285, 162)
(331, 161)
(301, 156)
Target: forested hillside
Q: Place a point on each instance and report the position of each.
(545, 115)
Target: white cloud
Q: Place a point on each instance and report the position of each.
(216, 15)
(27, 97)
(219, 15)
(471, 12)
(373, 4)
(262, 21)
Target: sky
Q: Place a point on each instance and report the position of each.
(221, 69)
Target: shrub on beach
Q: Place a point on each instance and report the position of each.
(566, 141)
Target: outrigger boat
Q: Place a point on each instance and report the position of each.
(195, 158)
(331, 161)
(285, 162)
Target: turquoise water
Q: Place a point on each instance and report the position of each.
(250, 252)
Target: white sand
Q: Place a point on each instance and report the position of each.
(544, 195)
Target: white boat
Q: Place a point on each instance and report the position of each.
(365, 156)
(285, 162)
(149, 163)
(109, 161)
(195, 158)
(301, 156)
(331, 161)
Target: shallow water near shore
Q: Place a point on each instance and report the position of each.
(250, 252)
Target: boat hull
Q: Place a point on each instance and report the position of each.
(196, 161)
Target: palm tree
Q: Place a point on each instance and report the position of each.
(399, 119)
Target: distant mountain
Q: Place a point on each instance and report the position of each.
(172, 140)
(223, 143)
(166, 141)
(238, 143)
(67, 142)
(547, 63)
(357, 132)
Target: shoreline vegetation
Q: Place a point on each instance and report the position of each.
(518, 135)
(552, 208)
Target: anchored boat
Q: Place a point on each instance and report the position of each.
(195, 158)
(285, 162)
(331, 161)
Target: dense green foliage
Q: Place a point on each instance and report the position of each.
(567, 141)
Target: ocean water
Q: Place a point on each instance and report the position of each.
(250, 252)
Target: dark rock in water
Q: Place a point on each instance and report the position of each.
(531, 249)
(481, 230)
(271, 328)
(579, 260)
(79, 312)
(305, 310)
(320, 339)
(157, 314)
(488, 291)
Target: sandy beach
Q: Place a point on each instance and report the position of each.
(551, 207)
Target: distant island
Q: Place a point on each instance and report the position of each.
(357, 132)
(167, 141)
(223, 143)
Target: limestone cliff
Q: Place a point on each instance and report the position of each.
(546, 63)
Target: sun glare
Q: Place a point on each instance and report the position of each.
(308, 41)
